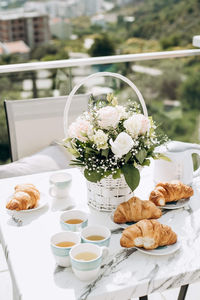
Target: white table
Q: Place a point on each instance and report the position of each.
(124, 274)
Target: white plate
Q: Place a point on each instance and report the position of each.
(165, 250)
(41, 203)
(123, 225)
(176, 204)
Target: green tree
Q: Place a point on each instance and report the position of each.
(170, 41)
(50, 52)
(102, 46)
(168, 84)
(40, 52)
(190, 91)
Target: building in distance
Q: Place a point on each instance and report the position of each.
(60, 28)
(68, 8)
(30, 27)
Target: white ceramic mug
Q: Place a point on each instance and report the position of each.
(87, 270)
(61, 254)
(60, 184)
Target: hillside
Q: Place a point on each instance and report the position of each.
(173, 22)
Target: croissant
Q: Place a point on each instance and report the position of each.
(170, 191)
(135, 210)
(148, 234)
(26, 196)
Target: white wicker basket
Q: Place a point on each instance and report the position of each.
(108, 193)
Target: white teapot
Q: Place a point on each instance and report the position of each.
(181, 165)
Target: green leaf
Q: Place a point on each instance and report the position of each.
(128, 155)
(152, 130)
(67, 140)
(141, 155)
(161, 156)
(146, 162)
(92, 176)
(76, 164)
(107, 173)
(78, 159)
(73, 151)
(105, 152)
(132, 176)
(117, 174)
(90, 151)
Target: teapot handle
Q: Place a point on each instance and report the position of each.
(197, 172)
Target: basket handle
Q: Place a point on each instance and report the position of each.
(99, 74)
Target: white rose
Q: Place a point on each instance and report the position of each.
(137, 125)
(122, 112)
(100, 138)
(122, 145)
(108, 116)
(79, 129)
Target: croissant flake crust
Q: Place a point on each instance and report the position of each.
(135, 210)
(170, 191)
(148, 234)
(26, 196)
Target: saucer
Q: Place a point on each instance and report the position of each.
(62, 204)
(176, 204)
(41, 203)
(160, 251)
(122, 225)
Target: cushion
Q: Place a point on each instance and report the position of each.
(51, 158)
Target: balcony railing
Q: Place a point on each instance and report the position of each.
(34, 66)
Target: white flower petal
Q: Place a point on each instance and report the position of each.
(122, 144)
(108, 116)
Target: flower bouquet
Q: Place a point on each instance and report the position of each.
(111, 142)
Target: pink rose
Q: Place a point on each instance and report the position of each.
(79, 129)
(145, 125)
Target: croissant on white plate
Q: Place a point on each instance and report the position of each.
(135, 210)
(170, 191)
(148, 234)
(26, 196)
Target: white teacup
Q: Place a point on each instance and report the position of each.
(87, 270)
(73, 214)
(91, 234)
(60, 184)
(61, 254)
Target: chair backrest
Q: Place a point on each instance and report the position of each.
(35, 123)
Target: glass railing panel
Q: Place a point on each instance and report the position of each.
(170, 88)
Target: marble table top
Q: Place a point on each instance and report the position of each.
(125, 273)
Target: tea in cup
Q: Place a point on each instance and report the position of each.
(99, 235)
(61, 244)
(73, 220)
(60, 184)
(86, 260)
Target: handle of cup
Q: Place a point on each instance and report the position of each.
(197, 172)
(105, 251)
(51, 191)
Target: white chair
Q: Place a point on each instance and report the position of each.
(34, 124)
